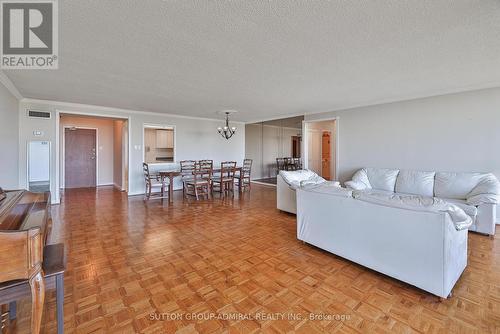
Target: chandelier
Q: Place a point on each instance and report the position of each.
(226, 131)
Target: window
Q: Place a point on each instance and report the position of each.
(158, 144)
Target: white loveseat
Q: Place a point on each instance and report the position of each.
(477, 194)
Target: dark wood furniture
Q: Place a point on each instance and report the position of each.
(243, 175)
(54, 265)
(169, 174)
(154, 181)
(25, 223)
(187, 169)
(225, 180)
(200, 184)
(280, 164)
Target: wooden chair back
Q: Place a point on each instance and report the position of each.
(246, 169)
(147, 175)
(205, 169)
(187, 168)
(280, 163)
(227, 169)
(298, 163)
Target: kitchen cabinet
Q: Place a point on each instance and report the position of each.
(164, 138)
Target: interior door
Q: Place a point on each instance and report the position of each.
(326, 155)
(79, 158)
(314, 150)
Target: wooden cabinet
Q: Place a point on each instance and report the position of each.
(164, 139)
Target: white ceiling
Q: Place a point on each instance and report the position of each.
(267, 59)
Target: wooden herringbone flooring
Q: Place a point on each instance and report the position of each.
(148, 267)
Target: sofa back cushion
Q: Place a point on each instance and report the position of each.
(382, 178)
(415, 182)
(456, 185)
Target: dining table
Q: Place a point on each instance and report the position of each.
(171, 174)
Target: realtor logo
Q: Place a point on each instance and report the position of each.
(29, 34)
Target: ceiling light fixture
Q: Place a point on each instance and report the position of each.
(226, 131)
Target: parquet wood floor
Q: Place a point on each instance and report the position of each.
(129, 261)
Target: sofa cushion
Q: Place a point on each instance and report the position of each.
(415, 182)
(456, 185)
(359, 180)
(382, 178)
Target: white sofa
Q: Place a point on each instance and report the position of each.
(286, 184)
(476, 193)
(414, 245)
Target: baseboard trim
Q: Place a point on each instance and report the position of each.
(264, 184)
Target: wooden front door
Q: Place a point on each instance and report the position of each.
(326, 155)
(79, 158)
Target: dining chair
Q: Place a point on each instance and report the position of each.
(225, 181)
(199, 184)
(243, 175)
(280, 164)
(207, 166)
(298, 163)
(187, 169)
(288, 163)
(154, 181)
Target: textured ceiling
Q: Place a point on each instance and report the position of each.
(267, 59)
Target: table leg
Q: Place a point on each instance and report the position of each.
(171, 189)
(60, 303)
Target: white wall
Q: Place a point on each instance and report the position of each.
(195, 138)
(456, 132)
(105, 148)
(9, 139)
(264, 143)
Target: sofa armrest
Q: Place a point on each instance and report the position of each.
(486, 219)
(480, 199)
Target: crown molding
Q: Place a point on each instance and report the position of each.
(412, 97)
(5, 80)
(70, 105)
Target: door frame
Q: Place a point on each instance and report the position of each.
(63, 153)
(335, 136)
(58, 113)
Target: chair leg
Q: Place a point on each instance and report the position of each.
(60, 303)
(12, 310)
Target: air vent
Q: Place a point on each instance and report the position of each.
(39, 114)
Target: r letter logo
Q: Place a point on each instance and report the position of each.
(29, 34)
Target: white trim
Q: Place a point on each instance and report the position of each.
(276, 118)
(263, 183)
(113, 109)
(5, 80)
(63, 152)
(403, 98)
(305, 150)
